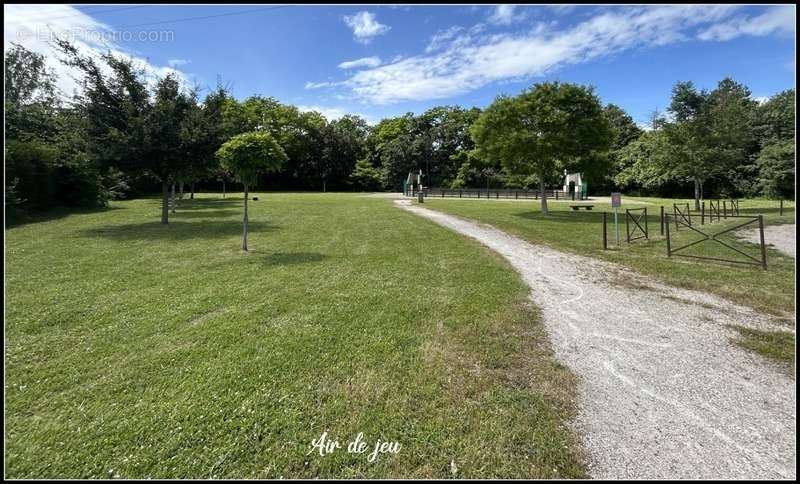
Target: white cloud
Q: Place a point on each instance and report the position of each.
(373, 61)
(440, 37)
(469, 60)
(317, 85)
(505, 15)
(760, 99)
(365, 27)
(332, 113)
(178, 62)
(779, 20)
(35, 26)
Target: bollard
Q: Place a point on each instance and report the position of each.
(420, 198)
(781, 207)
(662, 220)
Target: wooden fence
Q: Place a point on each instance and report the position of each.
(497, 193)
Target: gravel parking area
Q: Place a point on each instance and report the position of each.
(664, 393)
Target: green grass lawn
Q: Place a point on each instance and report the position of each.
(777, 345)
(581, 232)
(134, 349)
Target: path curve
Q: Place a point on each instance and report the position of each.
(663, 392)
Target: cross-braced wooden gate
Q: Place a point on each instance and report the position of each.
(709, 236)
(683, 213)
(636, 224)
(722, 209)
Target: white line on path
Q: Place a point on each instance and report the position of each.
(663, 393)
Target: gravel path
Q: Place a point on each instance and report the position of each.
(780, 237)
(663, 392)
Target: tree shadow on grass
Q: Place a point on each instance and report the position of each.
(32, 217)
(562, 216)
(292, 258)
(203, 203)
(194, 214)
(177, 230)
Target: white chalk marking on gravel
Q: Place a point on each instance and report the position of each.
(692, 404)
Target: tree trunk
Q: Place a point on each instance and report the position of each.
(223, 188)
(164, 202)
(180, 193)
(697, 188)
(192, 195)
(544, 195)
(244, 235)
(172, 199)
(324, 186)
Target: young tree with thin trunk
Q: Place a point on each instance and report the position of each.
(549, 125)
(247, 156)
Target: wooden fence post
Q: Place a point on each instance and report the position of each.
(669, 248)
(627, 227)
(763, 249)
(703, 213)
(605, 235)
(662, 220)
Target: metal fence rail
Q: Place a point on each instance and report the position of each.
(708, 236)
(633, 224)
(497, 193)
(685, 214)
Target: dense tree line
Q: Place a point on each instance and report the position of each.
(124, 133)
(715, 143)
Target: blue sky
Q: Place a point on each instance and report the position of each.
(380, 61)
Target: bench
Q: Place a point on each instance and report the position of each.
(577, 207)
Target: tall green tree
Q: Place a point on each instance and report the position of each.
(31, 101)
(549, 126)
(365, 176)
(343, 144)
(202, 133)
(639, 162)
(774, 125)
(247, 156)
(445, 131)
(775, 119)
(31, 108)
(601, 167)
(776, 169)
(108, 121)
(165, 154)
(709, 134)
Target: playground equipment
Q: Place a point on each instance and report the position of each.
(575, 186)
(413, 184)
